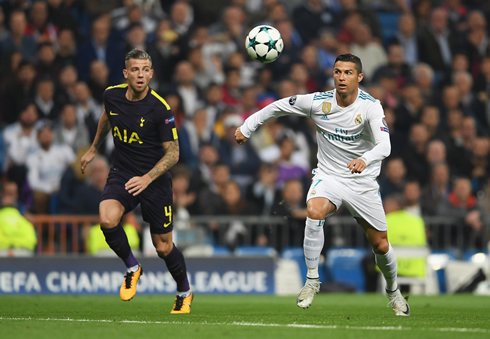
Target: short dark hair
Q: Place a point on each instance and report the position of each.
(137, 54)
(348, 57)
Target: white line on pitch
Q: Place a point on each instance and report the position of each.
(327, 327)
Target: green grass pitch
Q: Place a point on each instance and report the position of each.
(331, 315)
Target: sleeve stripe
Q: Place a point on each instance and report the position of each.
(174, 132)
(161, 99)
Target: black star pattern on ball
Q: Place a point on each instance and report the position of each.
(252, 43)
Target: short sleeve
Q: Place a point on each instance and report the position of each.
(165, 122)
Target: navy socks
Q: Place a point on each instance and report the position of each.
(117, 240)
(176, 266)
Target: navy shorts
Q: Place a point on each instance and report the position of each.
(156, 200)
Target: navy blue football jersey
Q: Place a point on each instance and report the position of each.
(139, 128)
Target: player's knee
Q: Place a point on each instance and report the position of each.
(163, 248)
(315, 212)
(380, 246)
(106, 223)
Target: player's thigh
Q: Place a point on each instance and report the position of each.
(377, 239)
(324, 197)
(364, 202)
(319, 208)
(111, 212)
(157, 206)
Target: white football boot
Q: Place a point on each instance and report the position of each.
(398, 303)
(307, 293)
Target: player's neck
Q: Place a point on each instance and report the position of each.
(135, 96)
(344, 100)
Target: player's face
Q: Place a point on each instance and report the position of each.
(139, 73)
(346, 78)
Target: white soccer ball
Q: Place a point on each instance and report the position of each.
(264, 44)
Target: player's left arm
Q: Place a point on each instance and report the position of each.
(381, 134)
(136, 185)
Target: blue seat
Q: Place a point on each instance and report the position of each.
(344, 266)
(468, 255)
(255, 251)
(389, 24)
(451, 253)
(221, 250)
(296, 253)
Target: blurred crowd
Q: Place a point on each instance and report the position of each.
(427, 61)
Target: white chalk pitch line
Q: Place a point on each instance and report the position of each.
(327, 327)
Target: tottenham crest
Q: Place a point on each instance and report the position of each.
(358, 120)
(327, 107)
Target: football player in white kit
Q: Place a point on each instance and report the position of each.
(353, 139)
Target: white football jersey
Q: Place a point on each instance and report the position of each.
(343, 133)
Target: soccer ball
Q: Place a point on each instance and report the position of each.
(264, 44)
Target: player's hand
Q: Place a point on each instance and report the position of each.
(240, 138)
(86, 159)
(356, 166)
(136, 185)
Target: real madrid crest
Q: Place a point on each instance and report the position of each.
(327, 107)
(358, 120)
(313, 192)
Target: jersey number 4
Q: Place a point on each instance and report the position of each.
(168, 213)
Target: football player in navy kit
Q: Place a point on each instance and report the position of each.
(146, 147)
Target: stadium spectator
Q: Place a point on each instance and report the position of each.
(430, 118)
(470, 104)
(207, 71)
(371, 52)
(242, 161)
(60, 15)
(45, 167)
(436, 190)
(192, 135)
(18, 93)
(415, 155)
(436, 43)
(20, 139)
(234, 204)
(299, 76)
(231, 28)
(476, 40)
(184, 199)
(248, 71)
(100, 46)
(309, 17)
(393, 181)
(214, 104)
(210, 198)
(181, 18)
(293, 207)
(99, 79)
(232, 88)
(16, 232)
(398, 139)
(479, 162)
(287, 168)
(45, 102)
(202, 176)
(264, 192)
(406, 37)
(396, 65)
(66, 53)
(412, 195)
(39, 27)
(317, 75)
(461, 205)
(135, 38)
(292, 43)
(409, 108)
(424, 79)
(15, 39)
(88, 110)
(66, 84)
(191, 95)
(69, 131)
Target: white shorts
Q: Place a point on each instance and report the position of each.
(360, 195)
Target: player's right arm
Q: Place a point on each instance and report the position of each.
(102, 130)
(299, 105)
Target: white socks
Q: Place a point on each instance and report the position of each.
(387, 265)
(313, 245)
(184, 294)
(133, 269)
